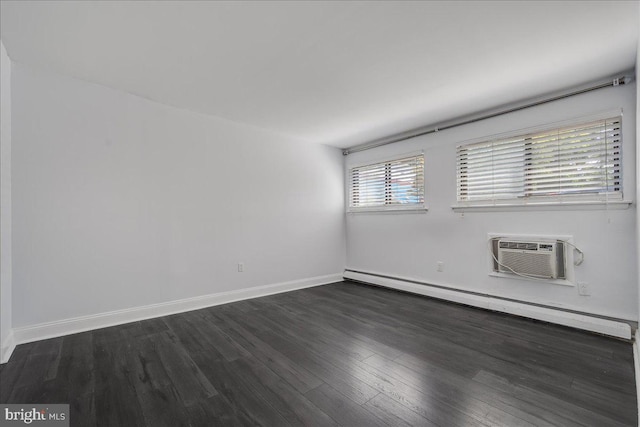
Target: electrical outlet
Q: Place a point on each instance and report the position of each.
(440, 266)
(583, 289)
(240, 267)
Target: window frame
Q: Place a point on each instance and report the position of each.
(613, 200)
(389, 208)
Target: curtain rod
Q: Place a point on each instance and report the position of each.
(618, 81)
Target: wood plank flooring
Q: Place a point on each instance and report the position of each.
(343, 354)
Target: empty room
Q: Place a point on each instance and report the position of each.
(319, 213)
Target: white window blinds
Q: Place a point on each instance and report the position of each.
(394, 184)
(575, 163)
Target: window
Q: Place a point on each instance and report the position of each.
(391, 185)
(575, 163)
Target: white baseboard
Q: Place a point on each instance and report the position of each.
(7, 347)
(636, 364)
(75, 325)
(560, 317)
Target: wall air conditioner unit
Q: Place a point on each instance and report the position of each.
(539, 259)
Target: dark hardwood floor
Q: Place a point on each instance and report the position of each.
(341, 354)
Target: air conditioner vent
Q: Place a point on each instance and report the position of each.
(529, 246)
(539, 259)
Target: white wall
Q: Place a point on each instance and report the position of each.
(5, 200)
(121, 202)
(637, 333)
(409, 245)
(638, 173)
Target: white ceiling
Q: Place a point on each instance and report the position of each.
(338, 73)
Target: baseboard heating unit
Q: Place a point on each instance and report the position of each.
(619, 328)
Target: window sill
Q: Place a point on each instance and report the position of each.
(545, 206)
(414, 210)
